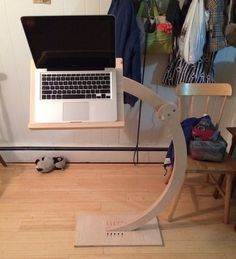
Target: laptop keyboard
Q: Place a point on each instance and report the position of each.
(75, 86)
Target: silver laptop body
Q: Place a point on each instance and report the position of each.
(75, 76)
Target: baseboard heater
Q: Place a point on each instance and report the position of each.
(26, 148)
(135, 160)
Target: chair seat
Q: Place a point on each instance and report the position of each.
(227, 166)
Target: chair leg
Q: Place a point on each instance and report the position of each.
(233, 186)
(219, 182)
(174, 204)
(2, 161)
(228, 187)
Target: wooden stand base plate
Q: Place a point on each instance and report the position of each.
(91, 230)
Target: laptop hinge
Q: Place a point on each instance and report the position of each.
(62, 63)
(75, 69)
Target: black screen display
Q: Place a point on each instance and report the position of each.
(71, 42)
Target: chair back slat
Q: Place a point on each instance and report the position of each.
(180, 107)
(190, 113)
(221, 111)
(206, 110)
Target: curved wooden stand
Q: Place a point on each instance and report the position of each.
(104, 230)
(169, 115)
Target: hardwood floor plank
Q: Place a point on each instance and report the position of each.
(38, 213)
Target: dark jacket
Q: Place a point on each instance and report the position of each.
(127, 41)
(176, 16)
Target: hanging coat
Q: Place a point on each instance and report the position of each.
(216, 24)
(175, 15)
(127, 41)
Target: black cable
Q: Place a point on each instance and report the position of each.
(148, 27)
(140, 103)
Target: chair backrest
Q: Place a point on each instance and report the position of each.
(196, 99)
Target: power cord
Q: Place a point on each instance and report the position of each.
(147, 28)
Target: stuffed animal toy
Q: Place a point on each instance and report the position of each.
(48, 164)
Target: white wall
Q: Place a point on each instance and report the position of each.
(15, 80)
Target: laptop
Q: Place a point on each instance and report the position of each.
(75, 77)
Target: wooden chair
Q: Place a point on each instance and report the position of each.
(206, 99)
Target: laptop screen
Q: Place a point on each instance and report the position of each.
(71, 42)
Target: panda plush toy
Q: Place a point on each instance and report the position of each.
(48, 164)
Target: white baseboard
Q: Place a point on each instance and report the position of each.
(25, 156)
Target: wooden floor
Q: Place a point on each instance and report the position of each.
(38, 213)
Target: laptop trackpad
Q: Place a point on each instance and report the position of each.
(76, 111)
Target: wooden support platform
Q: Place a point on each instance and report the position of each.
(91, 230)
